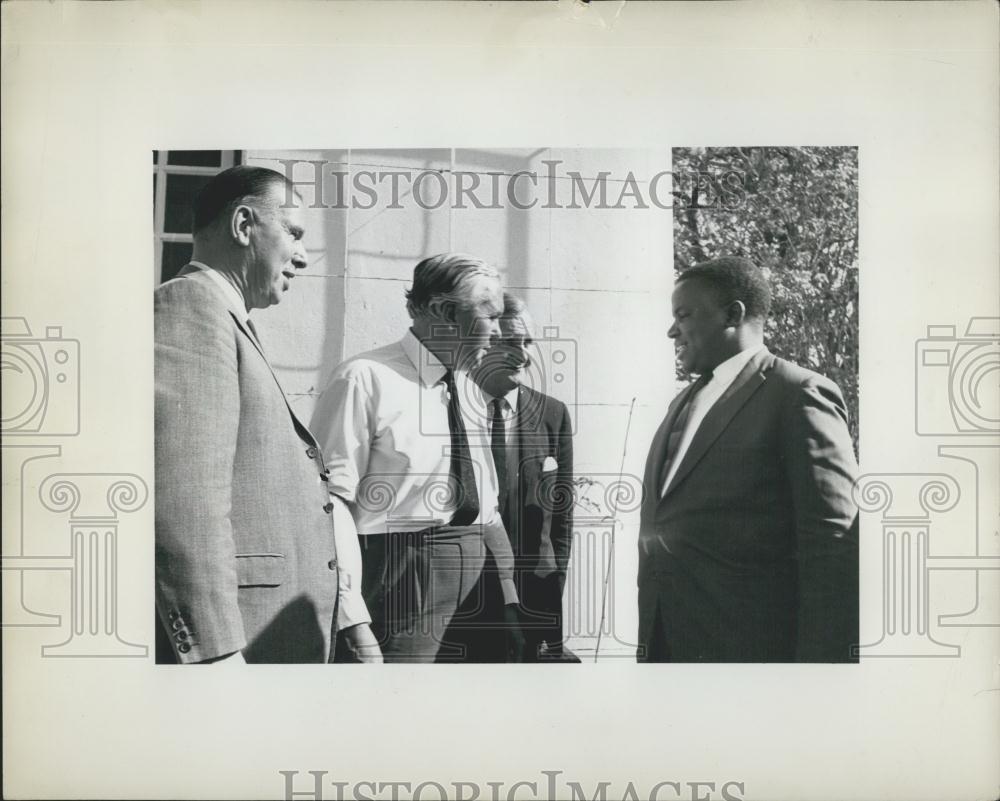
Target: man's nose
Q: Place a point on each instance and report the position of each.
(672, 332)
(494, 331)
(299, 259)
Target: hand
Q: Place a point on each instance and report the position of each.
(362, 643)
(515, 637)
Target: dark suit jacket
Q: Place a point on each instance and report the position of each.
(245, 552)
(751, 555)
(538, 513)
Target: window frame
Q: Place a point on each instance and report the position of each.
(161, 169)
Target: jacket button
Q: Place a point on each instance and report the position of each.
(332, 564)
(181, 635)
(324, 476)
(311, 453)
(183, 647)
(173, 614)
(177, 625)
(328, 507)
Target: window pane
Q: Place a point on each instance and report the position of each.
(181, 190)
(195, 158)
(175, 256)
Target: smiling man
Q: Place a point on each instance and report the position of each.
(532, 445)
(247, 556)
(748, 535)
(404, 430)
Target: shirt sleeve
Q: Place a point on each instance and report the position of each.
(352, 610)
(342, 425)
(498, 544)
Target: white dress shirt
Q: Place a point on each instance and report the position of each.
(382, 423)
(722, 378)
(352, 608)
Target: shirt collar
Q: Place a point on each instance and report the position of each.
(726, 372)
(429, 368)
(511, 398)
(236, 302)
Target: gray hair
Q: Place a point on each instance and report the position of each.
(513, 306)
(445, 278)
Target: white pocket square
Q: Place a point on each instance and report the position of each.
(549, 464)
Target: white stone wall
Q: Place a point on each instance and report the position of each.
(600, 276)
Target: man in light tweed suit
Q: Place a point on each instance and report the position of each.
(247, 564)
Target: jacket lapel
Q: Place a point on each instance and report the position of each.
(653, 478)
(530, 439)
(195, 273)
(304, 432)
(719, 416)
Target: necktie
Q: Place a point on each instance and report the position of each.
(679, 424)
(461, 475)
(498, 444)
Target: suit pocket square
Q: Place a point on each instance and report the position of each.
(549, 465)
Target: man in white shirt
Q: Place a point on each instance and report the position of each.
(248, 559)
(749, 532)
(404, 430)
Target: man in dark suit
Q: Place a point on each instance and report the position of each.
(748, 535)
(532, 448)
(249, 566)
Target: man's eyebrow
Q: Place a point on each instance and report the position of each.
(296, 230)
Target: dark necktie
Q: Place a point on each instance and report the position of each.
(462, 477)
(498, 444)
(679, 424)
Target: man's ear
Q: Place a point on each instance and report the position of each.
(240, 224)
(449, 311)
(736, 314)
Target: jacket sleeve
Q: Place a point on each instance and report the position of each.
(562, 518)
(821, 469)
(196, 414)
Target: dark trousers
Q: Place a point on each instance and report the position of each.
(541, 612)
(483, 629)
(425, 591)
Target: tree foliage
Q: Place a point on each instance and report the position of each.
(797, 218)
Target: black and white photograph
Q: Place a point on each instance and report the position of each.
(469, 454)
(362, 362)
